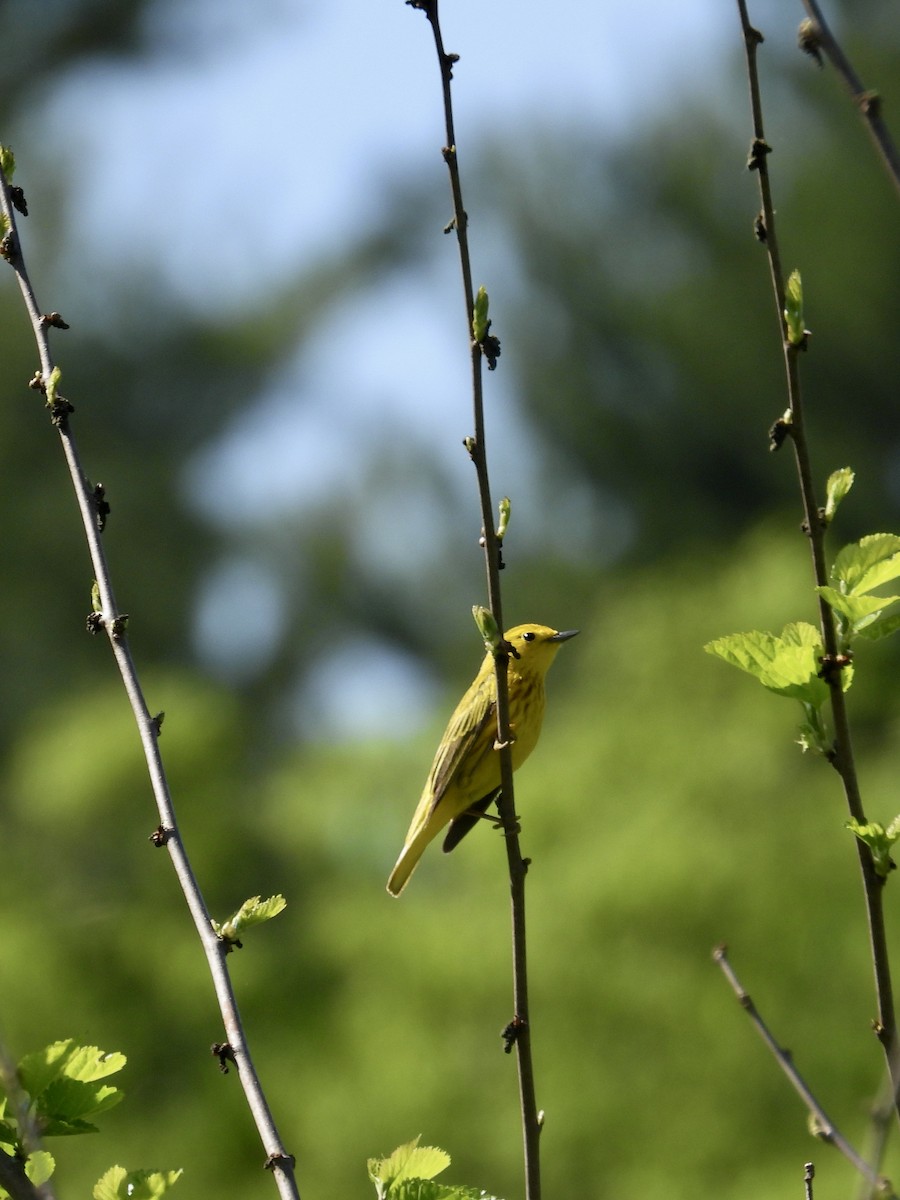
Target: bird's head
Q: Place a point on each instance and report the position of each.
(535, 646)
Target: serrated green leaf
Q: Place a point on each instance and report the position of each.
(7, 163)
(107, 1186)
(859, 610)
(408, 1162)
(863, 565)
(787, 665)
(65, 1103)
(839, 484)
(252, 912)
(119, 1184)
(88, 1063)
(38, 1069)
(427, 1189)
(39, 1167)
(881, 627)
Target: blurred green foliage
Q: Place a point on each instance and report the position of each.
(667, 808)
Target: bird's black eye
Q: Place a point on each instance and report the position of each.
(528, 637)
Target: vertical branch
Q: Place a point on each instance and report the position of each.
(519, 1030)
(814, 526)
(110, 619)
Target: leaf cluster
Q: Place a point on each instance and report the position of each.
(58, 1091)
(408, 1174)
(793, 664)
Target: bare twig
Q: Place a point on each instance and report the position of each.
(822, 1125)
(816, 36)
(842, 758)
(113, 622)
(476, 446)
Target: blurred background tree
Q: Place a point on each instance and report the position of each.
(277, 419)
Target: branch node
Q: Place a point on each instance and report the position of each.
(512, 1032)
(119, 625)
(19, 203)
(53, 321)
(224, 1053)
(94, 623)
(759, 148)
(101, 505)
(809, 39)
(779, 431)
(276, 1161)
(60, 411)
(869, 104)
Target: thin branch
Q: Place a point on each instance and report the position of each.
(113, 621)
(823, 1127)
(842, 760)
(520, 1027)
(815, 36)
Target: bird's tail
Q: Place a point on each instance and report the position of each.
(408, 860)
(405, 866)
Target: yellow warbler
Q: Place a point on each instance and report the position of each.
(465, 774)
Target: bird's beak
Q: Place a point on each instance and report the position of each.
(564, 636)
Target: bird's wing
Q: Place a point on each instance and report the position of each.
(469, 725)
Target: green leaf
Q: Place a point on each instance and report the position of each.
(787, 665)
(427, 1189)
(865, 564)
(62, 1082)
(53, 386)
(859, 610)
(37, 1070)
(252, 912)
(839, 484)
(879, 840)
(39, 1167)
(119, 1184)
(7, 163)
(64, 1105)
(88, 1063)
(813, 732)
(505, 507)
(793, 309)
(480, 315)
(408, 1162)
(881, 627)
(487, 627)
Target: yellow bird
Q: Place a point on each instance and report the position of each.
(465, 774)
